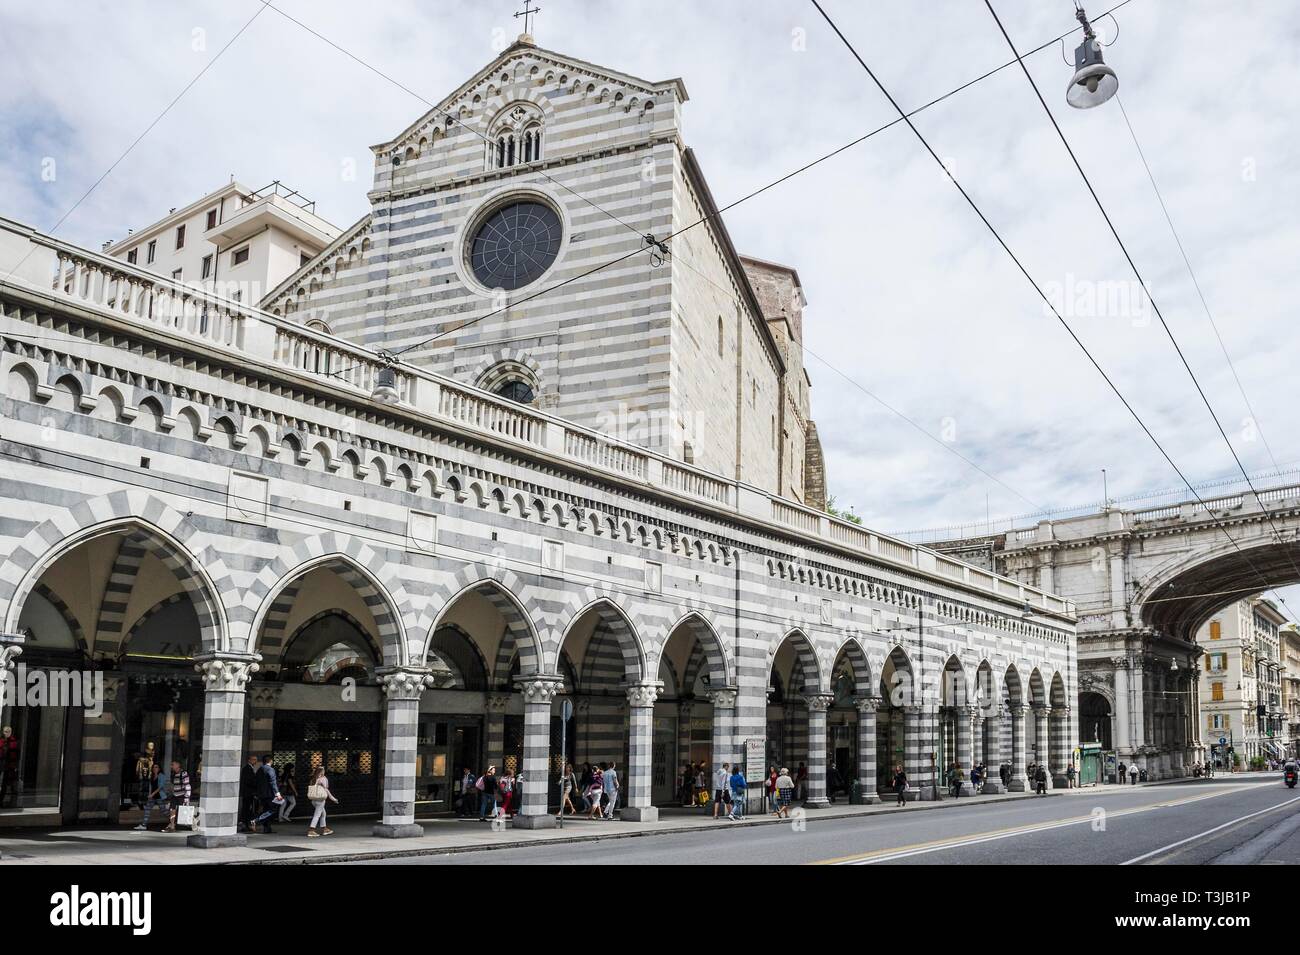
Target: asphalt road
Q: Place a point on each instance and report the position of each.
(1246, 819)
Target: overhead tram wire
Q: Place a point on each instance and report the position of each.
(1195, 281)
(1037, 289)
(1141, 281)
(157, 119)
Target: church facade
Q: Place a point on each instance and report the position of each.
(263, 534)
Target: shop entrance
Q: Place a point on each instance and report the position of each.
(346, 744)
(445, 747)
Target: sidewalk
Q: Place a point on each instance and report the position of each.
(352, 840)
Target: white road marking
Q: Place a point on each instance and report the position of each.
(1202, 835)
(958, 842)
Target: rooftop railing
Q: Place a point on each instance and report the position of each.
(111, 287)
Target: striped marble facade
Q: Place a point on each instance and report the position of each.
(237, 476)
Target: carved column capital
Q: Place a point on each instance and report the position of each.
(11, 646)
(497, 702)
(404, 683)
(818, 702)
(867, 704)
(643, 694)
(228, 672)
(724, 697)
(1016, 710)
(539, 689)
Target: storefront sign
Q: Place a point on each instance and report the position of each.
(754, 752)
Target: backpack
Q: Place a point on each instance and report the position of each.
(478, 784)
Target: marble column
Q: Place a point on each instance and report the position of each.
(1042, 747)
(1019, 781)
(225, 678)
(867, 706)
(11, 647)
(818, 704)
(538, 692)
(641, 711)
(993, 758)
(262, 701)
(1061, 746)
(965, 717)
(919, 727)
(496, 729)
(724, 725)
(402, 688)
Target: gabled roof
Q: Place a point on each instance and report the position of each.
(523, 48)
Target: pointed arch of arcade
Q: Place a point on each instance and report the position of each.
(147, 523)
(806, 664)
(854, 653)
(901, 733)
(716, 662)
(618, 623)
(272, 611)
(520, 638)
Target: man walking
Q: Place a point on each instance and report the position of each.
(157, 797)
(180, 792)
(248, 804)
(721, 788)
(613, 789)
(268, 794)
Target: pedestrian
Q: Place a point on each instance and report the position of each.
(684, 787)
(9, 764)
(268, 792)
(157, 797)
(595, 790)
(901, 785)
(739, 794)
(568, 782)
(290, 793)
(487, 790)
(834, 781)
(954, 780)
(801, 781)
(1123, 774)
(976, 776)
(785, 791)
(1004, 773)
(248, 806)
(506, 790)
(468, 794)
(1070, 774)
(584, 787)
(180, 793)
(613, 788)
(700, 787)
(318, 792)
(721, 788)
(1133, 774)
(772, 775)
(1040, 780)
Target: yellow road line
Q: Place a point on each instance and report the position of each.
(953, 842)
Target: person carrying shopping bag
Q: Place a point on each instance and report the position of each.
(318, 793)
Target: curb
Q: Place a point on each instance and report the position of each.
(635, 833)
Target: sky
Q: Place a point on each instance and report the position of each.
(945, 392)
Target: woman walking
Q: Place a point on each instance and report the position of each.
(900, 785)
(594, 792)
(289, 790)
(568, 782)
(318, 791)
